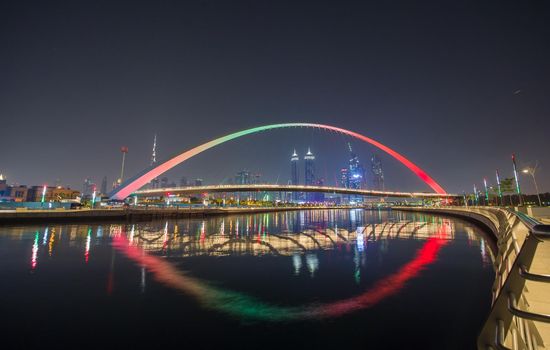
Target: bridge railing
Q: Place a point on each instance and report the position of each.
(512, 324)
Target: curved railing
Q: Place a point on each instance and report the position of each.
(514, 322)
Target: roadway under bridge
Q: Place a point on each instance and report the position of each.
(163, 192)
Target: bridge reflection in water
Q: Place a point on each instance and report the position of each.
(235, 236)
(243, 274)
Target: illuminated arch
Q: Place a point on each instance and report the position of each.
(141, 179)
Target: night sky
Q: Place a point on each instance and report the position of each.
(456, 86)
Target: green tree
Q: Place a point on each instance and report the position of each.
(507, 186)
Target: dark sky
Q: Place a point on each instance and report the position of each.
(456, 86)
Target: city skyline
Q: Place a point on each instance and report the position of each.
(279, 173)
(460, 113)
(360, 175)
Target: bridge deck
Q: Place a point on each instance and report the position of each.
(285, 188)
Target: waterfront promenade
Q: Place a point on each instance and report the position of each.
(137, 213)
(520, 315)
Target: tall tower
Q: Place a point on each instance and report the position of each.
(104, 185)
(155, 182)
(294, 176)
(309, 178)
(309, 159)
(377, 173)
(154, 155)
(123, 150)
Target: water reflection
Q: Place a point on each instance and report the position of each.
(243, 275)
(318, 230)
(245, 306)
(160, 250)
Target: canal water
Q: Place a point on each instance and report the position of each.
(303, 279)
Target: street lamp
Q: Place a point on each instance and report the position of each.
(531, 171)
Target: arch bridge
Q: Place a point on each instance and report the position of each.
(161, 192)
(141, 179)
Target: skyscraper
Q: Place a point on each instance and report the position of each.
(294, 176)
(309, 160)
(155, 182)
(183, 181)
(356, 174)
(377, 173)
(243, 177)
(88, 187)
(104, 185)
(344, 177)
(309, 178)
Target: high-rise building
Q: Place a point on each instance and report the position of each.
(183, 181)
(104, 185)
(198, 182)
(243, 178)
(88, 187)
(4, 188)
(356, 175)
(164, 182)
(377, 173)
(344, 177)
(294, 175)
(309, 160)
(309, 178)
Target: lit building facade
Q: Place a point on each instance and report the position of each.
(377, 173)
(309, 173)
(294, 175)
(356, 174)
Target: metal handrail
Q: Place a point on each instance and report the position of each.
(538, 229)
(541, 230)
(523, 272)
(514, 310)
(529, 221)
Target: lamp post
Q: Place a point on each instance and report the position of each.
(532, 171)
